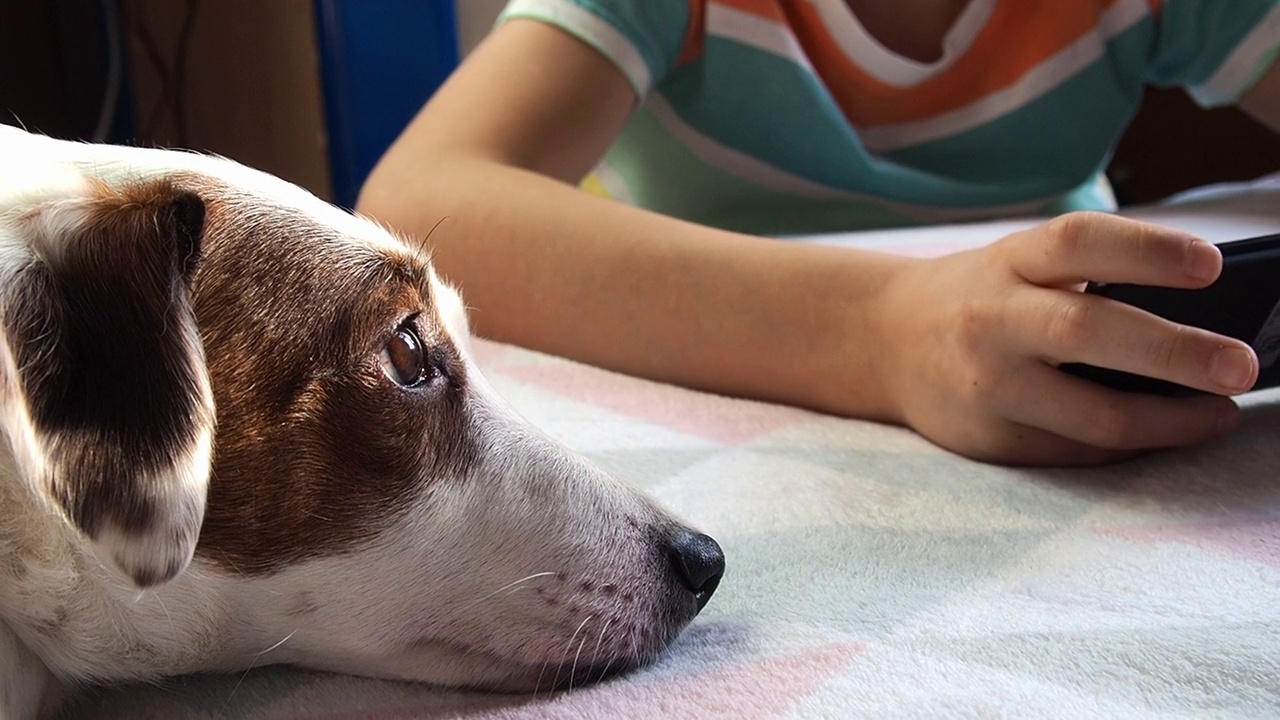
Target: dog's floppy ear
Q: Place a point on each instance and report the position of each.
(111, 370)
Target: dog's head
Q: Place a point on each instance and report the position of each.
(372, 506)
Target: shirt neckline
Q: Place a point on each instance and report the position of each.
(862, 49)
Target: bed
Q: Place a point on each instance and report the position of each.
(871, 574)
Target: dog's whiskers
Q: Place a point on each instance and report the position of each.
(227, 559)
(632, 646)
(256, 657)
(282, 641)
(604, 670)
(165, 608)
(574, 636)
(537, 687)
(516, 585)
(595, 654)
(427, 240)
(573, 671)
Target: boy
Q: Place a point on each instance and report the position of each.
(728, 118)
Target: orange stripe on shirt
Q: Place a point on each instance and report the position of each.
(695, 35)
(991, 63)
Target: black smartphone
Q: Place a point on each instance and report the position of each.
(1243, 303)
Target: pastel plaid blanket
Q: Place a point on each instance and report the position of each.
(871, 574)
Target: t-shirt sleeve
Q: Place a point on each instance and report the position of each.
(1216, 49)
(644, 38)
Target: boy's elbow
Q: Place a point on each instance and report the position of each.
(400, 185)
(392, 198)
(377, 197)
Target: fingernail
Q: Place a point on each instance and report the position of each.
(1232, 368)
(1201, 261)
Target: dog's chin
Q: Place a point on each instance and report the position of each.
(564, 676)
(492, 673)
(468, 667)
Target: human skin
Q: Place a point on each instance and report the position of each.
(961, 348)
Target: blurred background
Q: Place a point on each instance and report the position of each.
(315, 90)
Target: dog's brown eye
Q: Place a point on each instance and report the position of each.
(403, 360)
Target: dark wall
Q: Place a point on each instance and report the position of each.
(53, 68)
(1173, 145)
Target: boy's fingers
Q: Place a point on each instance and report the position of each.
(1016, 444)
(1099, 417)
(1064, 327)
(1089, 246)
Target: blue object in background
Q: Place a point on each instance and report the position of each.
(380, 61)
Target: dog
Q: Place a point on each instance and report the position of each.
(246, 426)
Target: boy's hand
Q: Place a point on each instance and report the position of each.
(976, 339)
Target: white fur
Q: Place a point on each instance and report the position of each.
(531, 560)
(171, 541)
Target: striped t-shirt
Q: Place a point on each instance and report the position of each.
(785, 116)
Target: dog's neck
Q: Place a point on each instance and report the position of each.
(64, 603)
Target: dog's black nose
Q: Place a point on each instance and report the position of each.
(698, 562)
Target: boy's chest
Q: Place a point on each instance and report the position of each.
(913, 29)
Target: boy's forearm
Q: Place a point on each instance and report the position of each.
(546, 266)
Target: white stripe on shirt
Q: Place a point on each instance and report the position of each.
(592, 30)
(1242, 66)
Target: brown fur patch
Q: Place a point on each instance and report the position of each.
(96, 326)
(316, 449)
